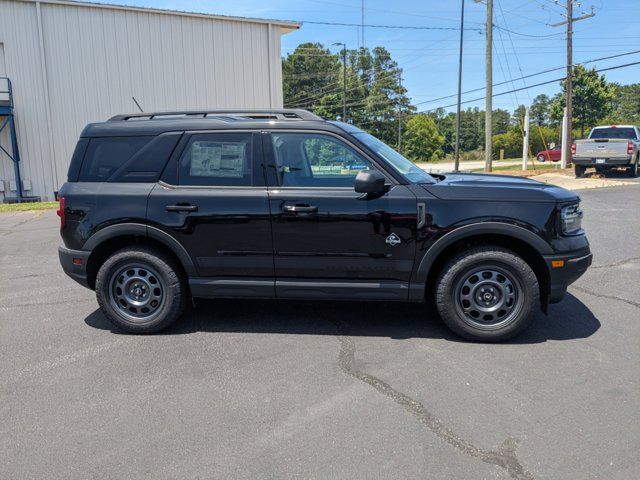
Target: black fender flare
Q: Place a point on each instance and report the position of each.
(140, 229)
(484, 228)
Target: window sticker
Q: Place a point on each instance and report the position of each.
(217, 159)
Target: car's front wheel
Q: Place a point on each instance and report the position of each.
(541, 158)
(487, 294)
(140, 290)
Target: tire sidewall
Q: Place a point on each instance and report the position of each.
(496, 265)
(172, 290)
(541, 158)
(462, 265)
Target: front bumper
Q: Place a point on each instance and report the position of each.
(74, 264)
(608, 162)
(564, 269)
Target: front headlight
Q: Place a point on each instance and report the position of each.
(571, 220)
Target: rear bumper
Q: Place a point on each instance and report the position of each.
(608, 162)
(564, 269)
(74, 264)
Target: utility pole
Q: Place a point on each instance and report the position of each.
(362, 19)
(569, 101)
(344, 80)
(565, 135)
(456, 155)
(568, 135)
(399, 115)
(488, 119)
(525, 140)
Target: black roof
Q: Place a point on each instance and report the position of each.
(159, 122)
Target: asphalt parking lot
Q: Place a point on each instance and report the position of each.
(254, 389)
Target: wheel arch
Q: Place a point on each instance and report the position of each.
(518, 239)
(115, 237)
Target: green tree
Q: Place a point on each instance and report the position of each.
(500, 121)
(625, 107)
(540, 110)
(510, 142)
(446, 124)
(311, 75)
(471, 129)
(376, 100)
(421, 139)
(518, 116)
(593, 98)
(386, 102)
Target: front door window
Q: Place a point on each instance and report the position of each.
(316, 160)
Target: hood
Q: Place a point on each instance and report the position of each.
(482, 186)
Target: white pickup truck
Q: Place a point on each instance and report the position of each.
(615, 146)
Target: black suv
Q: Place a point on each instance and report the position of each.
(162, 207)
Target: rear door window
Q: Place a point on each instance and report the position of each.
(105, 155)
(217, 160)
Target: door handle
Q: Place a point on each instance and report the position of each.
(181, 208)
(299, 208)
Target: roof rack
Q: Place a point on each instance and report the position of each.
(258, 114)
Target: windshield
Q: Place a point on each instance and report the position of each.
(402, 165)
(613, 132)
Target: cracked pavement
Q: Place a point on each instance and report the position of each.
(265, 389)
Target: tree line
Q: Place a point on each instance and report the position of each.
(378, 103)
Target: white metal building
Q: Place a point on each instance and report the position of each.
(72, 63)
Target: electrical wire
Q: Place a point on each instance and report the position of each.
(555, 69)
(400, 27)
(599, 70)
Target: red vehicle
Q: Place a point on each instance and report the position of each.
(553, 154)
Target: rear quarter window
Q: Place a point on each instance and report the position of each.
(76, 160)
(105, 155)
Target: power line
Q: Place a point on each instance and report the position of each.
(510, 77)
(331, 87)
(393, 12)
(513, 48)
(526, 34)
(555, 69)
(402, 27)
(599, 70)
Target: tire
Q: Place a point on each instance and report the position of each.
(632, 171)
(541, 158)
(480, 273)
(155, 293)
(579, 170)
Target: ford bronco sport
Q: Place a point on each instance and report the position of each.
(159, 208)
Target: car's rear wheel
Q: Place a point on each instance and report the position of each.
(632, 171)
(487, 294)
(541, 159)
(140, 290)
(579, 170)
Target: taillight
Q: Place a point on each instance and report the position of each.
(630, 148)
(60, 211)
(573, 149)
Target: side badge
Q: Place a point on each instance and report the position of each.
(393, 240)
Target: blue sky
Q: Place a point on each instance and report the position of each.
(429, 57)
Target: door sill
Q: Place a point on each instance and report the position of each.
(293, 288)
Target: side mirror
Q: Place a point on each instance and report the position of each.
(370, 182)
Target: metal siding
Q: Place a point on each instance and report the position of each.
(19, 34)
(98, 58)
